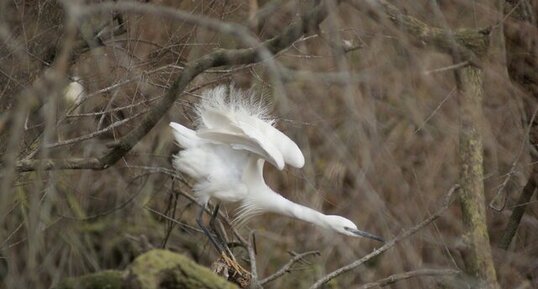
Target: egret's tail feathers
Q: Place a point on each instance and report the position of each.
(185, 137)
(245, 212)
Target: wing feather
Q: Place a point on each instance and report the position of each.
(223, 128)
(185, 137)
(213, 119)
(244, 142)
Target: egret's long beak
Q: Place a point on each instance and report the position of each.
(365, 234)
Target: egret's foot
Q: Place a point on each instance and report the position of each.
(232, 263)
(229, 269)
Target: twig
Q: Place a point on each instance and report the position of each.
(435, 110)
(446, 203)
(183, 225)
(407, 275)
(254, 282)
(55, 164)
(286, 268)
(447, 68)
(96, 133)
(98, 113)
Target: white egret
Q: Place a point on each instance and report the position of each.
(226, 153)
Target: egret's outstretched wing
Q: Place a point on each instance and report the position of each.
(239, 112)
(290, 151)
(261, 130)
(245, 142)
(185, 137)
(221, 127)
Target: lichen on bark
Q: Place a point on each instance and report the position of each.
(479, 262)
(152, 270)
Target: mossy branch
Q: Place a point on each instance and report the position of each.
(479, 261)
(152, 270)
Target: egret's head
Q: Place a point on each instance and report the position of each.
(347, 227)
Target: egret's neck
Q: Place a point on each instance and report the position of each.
(264, 198)
(280, 205)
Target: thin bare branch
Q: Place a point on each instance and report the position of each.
(96, 133)
(59, 164)
(287, 267)
(435, 110)
(447, 68)
(407, 275)
(254, 281)
(448, 199)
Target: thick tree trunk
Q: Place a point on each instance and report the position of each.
(478, 259)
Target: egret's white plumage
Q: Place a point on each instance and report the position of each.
(227, 151)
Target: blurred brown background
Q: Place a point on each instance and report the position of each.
(374, 110)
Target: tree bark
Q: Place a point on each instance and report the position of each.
(479, 261)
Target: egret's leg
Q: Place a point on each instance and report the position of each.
(200, 222)
(213, 226)
(213, 220)
(220, 245)
(217, 231)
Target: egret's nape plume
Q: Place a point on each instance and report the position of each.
(225, 154)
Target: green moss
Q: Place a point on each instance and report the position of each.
(157, 267)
